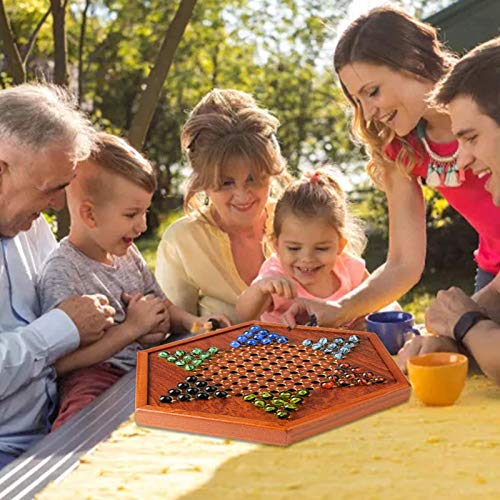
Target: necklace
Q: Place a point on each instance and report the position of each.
(442, 170)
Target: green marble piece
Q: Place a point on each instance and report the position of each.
(270, 409)
(205, 355)
(259, 403)
(180, 362)
(189, 368)
(285, 395)
(197, 362)
(290, 406)
(295, 401)
(266, 395)
(172, 359)
(197, 351)
(187, 358)
(303, 393)
(249, 397)
(282, 414)
(213, 350)
(180, 353)
(163, 354)
(278, 402)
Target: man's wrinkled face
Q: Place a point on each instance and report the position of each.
(30, 183)
(479, 142)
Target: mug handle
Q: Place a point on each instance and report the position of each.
(410, 332)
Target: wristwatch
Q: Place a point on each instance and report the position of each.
(466, 322)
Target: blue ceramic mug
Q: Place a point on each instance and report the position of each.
(391, 327)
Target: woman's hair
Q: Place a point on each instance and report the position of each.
(228, 124)
(390, 37)
(476, 75)
(318, 195)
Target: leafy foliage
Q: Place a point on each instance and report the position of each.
(279, 50)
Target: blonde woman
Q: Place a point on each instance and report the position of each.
(209, 257)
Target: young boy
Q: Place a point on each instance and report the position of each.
(108, 202)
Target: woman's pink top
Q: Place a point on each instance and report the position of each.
(470, 200)
(349, 270)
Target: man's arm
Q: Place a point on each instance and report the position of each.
(489, 299)
(482, 340)
(26, 351)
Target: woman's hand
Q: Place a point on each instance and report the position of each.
(209, 323)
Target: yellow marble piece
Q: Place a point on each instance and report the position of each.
(410, 451)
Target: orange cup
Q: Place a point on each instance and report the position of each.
(438, 377)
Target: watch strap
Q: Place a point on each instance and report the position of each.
(466, 322)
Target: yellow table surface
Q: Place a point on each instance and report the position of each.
(408, 451)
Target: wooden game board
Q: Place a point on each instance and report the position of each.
(274, 368)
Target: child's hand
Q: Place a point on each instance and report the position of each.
(204, 325)
(146, 314)
(152, 339)
(278, 285)
(165, 325)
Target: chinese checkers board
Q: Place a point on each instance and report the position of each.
(260, 382)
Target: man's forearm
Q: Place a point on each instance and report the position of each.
(483, 342)
(26, 351)
(489, 299)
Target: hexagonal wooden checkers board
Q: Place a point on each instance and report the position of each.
(276, 386)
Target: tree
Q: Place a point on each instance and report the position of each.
(17, 62)
(156, 78)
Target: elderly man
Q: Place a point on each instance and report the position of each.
(42, 136)
(471, 93)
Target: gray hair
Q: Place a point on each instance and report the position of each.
(38, 115)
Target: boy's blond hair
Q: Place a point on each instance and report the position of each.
(116, 156)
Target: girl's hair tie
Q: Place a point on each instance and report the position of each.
(314, 178)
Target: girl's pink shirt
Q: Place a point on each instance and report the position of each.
(350, 271)
(470, 200)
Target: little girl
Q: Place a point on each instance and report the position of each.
(317, 246)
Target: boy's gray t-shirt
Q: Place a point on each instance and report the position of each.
(69, 272)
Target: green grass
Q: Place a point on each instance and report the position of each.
(148, 245)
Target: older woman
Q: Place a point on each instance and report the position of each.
(209, 257)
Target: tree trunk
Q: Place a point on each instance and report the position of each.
(60, 47)
(81, 46)
(156, 79)
(61, 77)
(15, 63)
